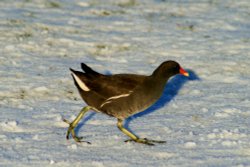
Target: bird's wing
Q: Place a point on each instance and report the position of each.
(114, 85)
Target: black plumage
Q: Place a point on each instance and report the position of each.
(123, 95)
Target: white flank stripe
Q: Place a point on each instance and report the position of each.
(109, 100)
(80, 83)
(118, 96)
(105, 103)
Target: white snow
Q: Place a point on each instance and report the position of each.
(10, 126)
(190, 145)
(73, 147)
(204, 120)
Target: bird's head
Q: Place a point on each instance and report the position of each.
(168, 69)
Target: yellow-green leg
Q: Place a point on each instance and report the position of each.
(73, 124)
(134, 137)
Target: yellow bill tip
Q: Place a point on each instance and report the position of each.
(183, 72)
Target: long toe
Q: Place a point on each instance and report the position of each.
(142, 141)
(155, 141)
(68, 133)
(66, 121)
(145, 141)
(76, 138)
(79, 140)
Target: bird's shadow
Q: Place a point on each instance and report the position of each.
(170, 91)
(82, 123)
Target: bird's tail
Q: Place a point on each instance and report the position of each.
(88, 70)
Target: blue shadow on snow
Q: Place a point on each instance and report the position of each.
(170, 91)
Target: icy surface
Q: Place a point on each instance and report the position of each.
(205, 119)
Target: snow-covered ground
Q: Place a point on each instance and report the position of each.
(204, 119)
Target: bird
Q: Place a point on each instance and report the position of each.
(121, 95)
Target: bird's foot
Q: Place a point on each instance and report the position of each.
(71, 130)
(145, 141)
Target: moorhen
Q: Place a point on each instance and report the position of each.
(121, 95)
